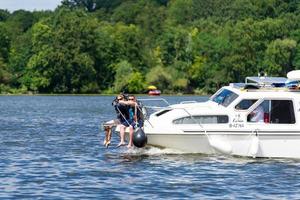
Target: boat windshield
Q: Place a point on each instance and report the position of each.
(224, 97)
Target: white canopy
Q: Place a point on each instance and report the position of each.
(265, 80)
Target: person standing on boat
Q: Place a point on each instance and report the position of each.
(257, 115)
(127, 117)
(138, 116)
(114, 122)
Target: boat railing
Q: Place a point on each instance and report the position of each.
(191, 116)
(157, 108)
(148, 110)
(145, 114)
(161, 103)
(186, 102)
(156, 99)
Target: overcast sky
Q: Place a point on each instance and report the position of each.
(30, 5)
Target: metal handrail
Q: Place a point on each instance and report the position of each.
(185, 102)
(190, 115)
(164, 100)
(145, 117)
(157, 99)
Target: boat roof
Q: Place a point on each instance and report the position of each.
(267, 84)
(265, 80)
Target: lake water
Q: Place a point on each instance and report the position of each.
(51, 148)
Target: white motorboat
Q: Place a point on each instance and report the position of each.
(230, 123)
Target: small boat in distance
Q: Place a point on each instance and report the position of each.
(153, 91)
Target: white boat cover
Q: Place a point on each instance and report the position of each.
(266, 80)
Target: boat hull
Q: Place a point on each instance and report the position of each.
(269, 144)
(281, 145)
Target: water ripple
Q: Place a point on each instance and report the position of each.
(51, 148)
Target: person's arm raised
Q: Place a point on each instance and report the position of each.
(130, 103)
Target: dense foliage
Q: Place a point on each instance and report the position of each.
(181, 46)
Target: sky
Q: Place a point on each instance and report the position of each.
(30, 5)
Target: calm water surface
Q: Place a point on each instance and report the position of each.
(51, 148)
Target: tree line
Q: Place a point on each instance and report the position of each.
(180, 46)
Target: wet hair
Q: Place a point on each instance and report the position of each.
(117, 99)
(120, 97)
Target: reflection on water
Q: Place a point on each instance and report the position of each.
(51, 148)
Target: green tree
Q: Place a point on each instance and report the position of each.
(140, 13)
(4, 14)
(123, 71)
(136, 83)
(4, 43)
(249, 40)
(175, 45)
(160, 77)
(19, 55)
(181, 11)
(61, 61)
(126, 80)
(279, 56)
(178, 45)
(19, 22)
(92, 5)
(5, 76)
(210, 45)
(128, 44)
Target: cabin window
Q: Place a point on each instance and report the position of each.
(273, 112)
(224, 97)
(245, 104)
(208, 119)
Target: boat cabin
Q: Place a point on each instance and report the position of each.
(258, 118)
(259, 101)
